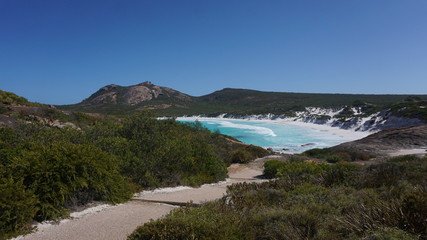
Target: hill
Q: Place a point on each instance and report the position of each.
(115, 99)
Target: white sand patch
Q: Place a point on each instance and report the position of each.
(165, 190)
(91, 210)
(348, 134)
(414, 151)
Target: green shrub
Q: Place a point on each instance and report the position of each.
(198, 223)
(11, 98)
(318, 152)
(17, 207)
(414, 213)
(301, 171)
(63, 173)
(240, 156)
(271, 167)
(334, 159)
(3, 109)
(341, 173)
(345, 156)
(383, 174)
(247, 154)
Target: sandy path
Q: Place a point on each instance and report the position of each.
(117, 222)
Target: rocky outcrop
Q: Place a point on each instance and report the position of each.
(386, 141)
(134, 95)
(353, 119)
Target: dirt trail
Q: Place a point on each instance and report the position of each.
(117, 222)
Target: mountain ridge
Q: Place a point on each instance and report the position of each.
(115, 99)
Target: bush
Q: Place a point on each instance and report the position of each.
(3, 109)
(248, 153)
(414, 211)
(199, 223)
(301, 171)
(340, 174)
(345, 156)
(271, 167)
(17, 207)
(334, 159)
(383, 174)
(318, 152)
(62, 173)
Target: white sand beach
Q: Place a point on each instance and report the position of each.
(348, 134)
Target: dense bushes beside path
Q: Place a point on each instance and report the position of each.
(311, 201)
(44, 171)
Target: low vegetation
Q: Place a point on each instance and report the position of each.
(44, 171)
(333, 156)
(11, 98)
(308, 200)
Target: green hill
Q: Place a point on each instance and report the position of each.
(119, 100)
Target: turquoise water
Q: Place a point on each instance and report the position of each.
(279, 136)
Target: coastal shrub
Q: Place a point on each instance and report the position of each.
(415, 167)
(414, 212)
(3, 109)
(248, 153)
(318, 152)
(359, 156)
(299, 172)
(197, 223)
(271, 167)
(342, 173)
(167, 153)
(63, 173)
(54, 169)
(17, 207)
(334, 158)
(11, 98)
(345, 156)
(383, 174)
(298, 223)
(315, 201)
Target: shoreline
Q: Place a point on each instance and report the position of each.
(345, 133)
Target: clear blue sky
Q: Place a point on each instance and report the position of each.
(60, 51)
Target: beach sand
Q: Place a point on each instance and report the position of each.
(414, 151)
(346, 133)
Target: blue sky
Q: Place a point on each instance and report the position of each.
(60, 52)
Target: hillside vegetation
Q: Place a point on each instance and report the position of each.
(309, 200)
(114, 99)
(46, 170)
(11, 98)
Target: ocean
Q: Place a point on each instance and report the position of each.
(280, 136)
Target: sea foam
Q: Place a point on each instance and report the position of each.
(252, 129)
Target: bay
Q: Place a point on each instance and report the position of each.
(280, 136)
